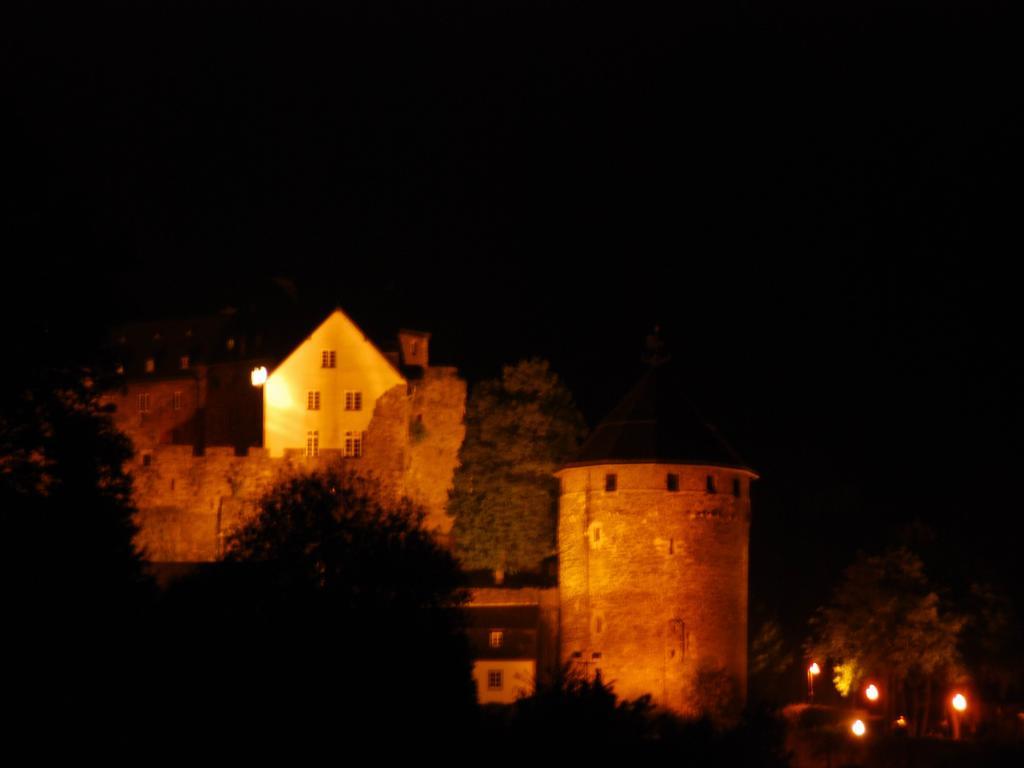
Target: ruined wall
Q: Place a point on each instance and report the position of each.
(653, 581)
(188, 504)
(163, 423)
(436, 431)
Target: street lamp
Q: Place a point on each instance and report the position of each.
(812, 672)
(959, 705)
(858, 728)
(871, 693)
(258, 376)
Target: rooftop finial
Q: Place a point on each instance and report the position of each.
(654, 348)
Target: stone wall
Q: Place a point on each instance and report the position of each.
(188, 504)
(653, 581)
(436, 431)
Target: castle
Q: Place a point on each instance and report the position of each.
(654, 512)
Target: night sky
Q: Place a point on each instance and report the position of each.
(819, 203)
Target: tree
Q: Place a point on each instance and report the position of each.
(886, 621)
(339, 611)
(519, 430)
(74, 591)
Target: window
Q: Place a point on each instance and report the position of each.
(184, 362)
(711, 484)
(611, 482)
(328, 358)
(737, 487)
(147, 459)
(353, 401)
(176, 400)
(312, 401)
(313, 443)
(497, 638)
(353, 444)
(144, 402)
(494, 680)
(672, 481)
(150, 365)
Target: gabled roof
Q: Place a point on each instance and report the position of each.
(656, 422)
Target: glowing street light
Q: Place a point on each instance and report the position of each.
(812, 671)
(871, 693)
(858, 728)
(259, 376)
(959, 704)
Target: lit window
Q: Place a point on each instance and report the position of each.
(230, 344)
(737, 487)
(176, 403)
(611, 482)
(144, 402)
(353, 444)
(497, 638)
(120, 369)
(312, 401)
(328, 358)
(150, 365)
(672, 481)
(184, 362)
(711, 484)
(313, 443)
(353, 401)
(494, 680)
(414, 349)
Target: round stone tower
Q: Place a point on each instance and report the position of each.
(653, 531)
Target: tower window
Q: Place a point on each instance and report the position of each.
(184, 362)
(737, 487)
(328, 358)
(312, 401)
(176, 402)
(144, 402)
(672, 481)
(150, 365)
(611, 482)
(711, 484)
(353, 401)
(671, 546)
(497, 638)
(313, 443)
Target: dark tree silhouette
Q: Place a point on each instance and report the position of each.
(334, 615)
(74, 591)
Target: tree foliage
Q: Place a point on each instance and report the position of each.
(337, 607)
(74, 590)
(519, 430)
(887, 622)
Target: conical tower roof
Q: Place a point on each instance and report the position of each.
(656, 422)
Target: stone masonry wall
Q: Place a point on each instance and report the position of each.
(653, 581)
(188, 504)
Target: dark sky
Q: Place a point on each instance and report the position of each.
(818, 202)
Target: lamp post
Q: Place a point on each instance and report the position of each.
(958, 704)
(812, 671)
(871, 693)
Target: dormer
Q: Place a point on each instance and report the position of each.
(414, 347)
